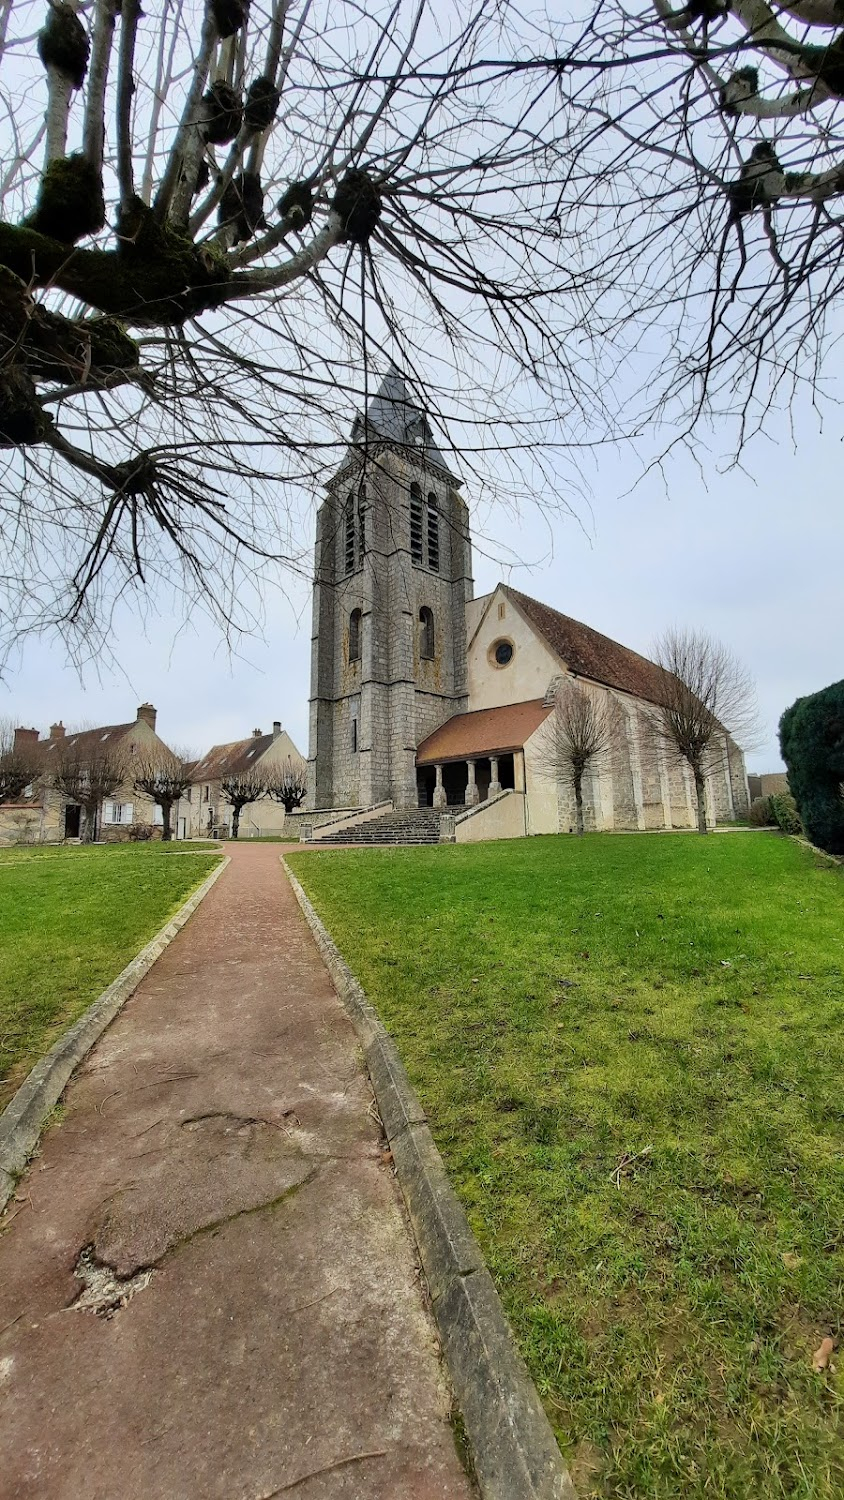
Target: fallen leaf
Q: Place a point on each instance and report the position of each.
(791, 1261)
(823, 1355)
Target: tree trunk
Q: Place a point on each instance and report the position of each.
(578, 802)
(235, 821)
(700, 788)
(166, 824)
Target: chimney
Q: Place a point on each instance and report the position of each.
(24, 738)
(57, 731)
(256, 734)
(148, 714)
(276, 728)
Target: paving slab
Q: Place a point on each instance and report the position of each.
(208, 1287)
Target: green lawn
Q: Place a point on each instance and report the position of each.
(632, 1054)
(70, 920)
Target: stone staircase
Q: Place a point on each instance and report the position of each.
(409, 825)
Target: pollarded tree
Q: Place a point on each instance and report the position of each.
(707, 695)
(577, 735)
(812, 744)
(164, 779)
(288, 783)
(240, 789)
(222, 219)
(20, 765)
(89, 773)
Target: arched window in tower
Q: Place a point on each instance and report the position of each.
(433, 534)
(416, 525)
(426, 633)
(349, 535)
(355, 627)
(362, 525)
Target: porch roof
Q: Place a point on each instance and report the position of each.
(486, 731)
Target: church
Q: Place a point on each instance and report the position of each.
(426, 698)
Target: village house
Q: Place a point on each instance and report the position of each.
(46, 815)
(265, 755)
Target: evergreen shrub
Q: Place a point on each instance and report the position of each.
(812, 744)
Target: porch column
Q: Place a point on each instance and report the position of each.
(472, 793)
(440, 798)
(494, 784)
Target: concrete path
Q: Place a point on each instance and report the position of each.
(207, 1285)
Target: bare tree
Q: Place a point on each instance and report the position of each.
(577, 734)
(240, 789)
(164, 778)
(288, 783)
(706, 150)
(89, 773)
(707, 696)
(220, 222)
(20, 764)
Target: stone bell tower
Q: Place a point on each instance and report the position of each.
(392, 577)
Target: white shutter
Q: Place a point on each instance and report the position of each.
(108, 812)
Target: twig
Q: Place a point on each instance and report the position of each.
(627, 1161)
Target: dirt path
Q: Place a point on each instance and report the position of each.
(215, 1189)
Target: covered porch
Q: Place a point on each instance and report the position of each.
(473, 757)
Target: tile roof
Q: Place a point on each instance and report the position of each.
(393, 415)
(486, 731)
(588, 653)
(87, 741)
(231, 759)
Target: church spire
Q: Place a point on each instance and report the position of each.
(393, 416)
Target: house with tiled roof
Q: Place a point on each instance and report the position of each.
(425, 697)
(46, 815)
(259, 752)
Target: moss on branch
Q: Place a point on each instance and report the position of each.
(156, 276)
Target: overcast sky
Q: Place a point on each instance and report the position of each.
(754, 556)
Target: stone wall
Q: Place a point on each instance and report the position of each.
(639, 783)
(368, 715)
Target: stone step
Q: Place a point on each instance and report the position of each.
(406, 826)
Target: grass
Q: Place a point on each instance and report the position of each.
(70, 920)
(632, 1052)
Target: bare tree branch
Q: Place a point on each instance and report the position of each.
(577, 734)
(708, 696)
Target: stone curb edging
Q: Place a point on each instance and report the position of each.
(22, 1119)
(515, 1453)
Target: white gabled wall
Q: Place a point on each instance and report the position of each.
(529, 672)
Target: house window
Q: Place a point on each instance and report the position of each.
(354, 635)
(416, 525)
(118, 812)
(426, 633)
(433, 535)
(354, 736)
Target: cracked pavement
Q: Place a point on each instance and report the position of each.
(207, 1284)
